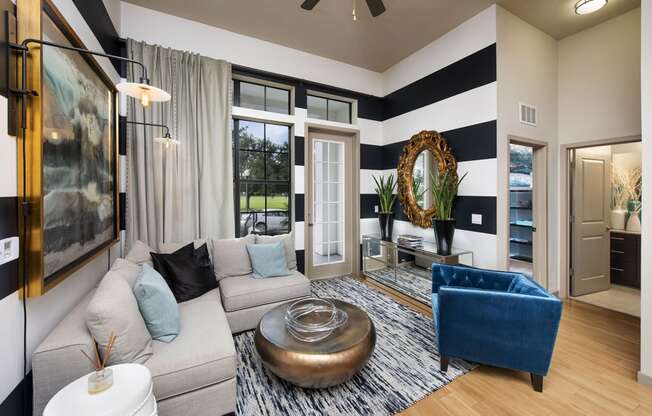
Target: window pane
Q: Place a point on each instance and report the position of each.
(278, 202)
(251, 135)
(278, 100)
(278, 166)
(252, 206)
(317, 108)
(339, 111)
(252, 165)
(252, 96)
(278, 138)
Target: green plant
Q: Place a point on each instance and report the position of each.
(444, 190)
(418, 189)
(385, 190)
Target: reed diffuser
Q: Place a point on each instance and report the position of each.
(102, 378)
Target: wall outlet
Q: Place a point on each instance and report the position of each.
(9, 249)
(476, 219)
(376, 209)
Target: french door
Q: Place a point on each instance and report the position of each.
(329, 205)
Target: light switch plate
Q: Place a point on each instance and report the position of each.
(9, 249)
(476, 219)
(376, 209)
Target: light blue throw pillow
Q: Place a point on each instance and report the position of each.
(157, 304)
(268, 260)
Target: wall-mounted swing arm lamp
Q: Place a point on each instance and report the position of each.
(166, 139)
(142, 91)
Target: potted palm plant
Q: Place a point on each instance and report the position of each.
(444, 190)
(385, 188)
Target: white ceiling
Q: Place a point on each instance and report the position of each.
(373, 43)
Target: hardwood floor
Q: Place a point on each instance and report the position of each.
(593, 372)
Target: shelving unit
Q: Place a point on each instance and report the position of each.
(520, 221)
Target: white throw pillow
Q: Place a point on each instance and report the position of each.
(139, 253)
(113, 308)
(127, 270)
(288, 242)
(230, 257)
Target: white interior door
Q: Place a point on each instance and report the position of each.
(591, 169)
(328, 205)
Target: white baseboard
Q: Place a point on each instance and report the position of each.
(644, 379)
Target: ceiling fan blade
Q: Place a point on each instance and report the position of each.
(376, 7)
(309, 4)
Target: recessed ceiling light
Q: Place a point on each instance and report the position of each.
(589, 6)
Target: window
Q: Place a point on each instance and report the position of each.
(329, 109)
(262, 177)
(261, 97)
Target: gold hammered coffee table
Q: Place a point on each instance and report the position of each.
(320, 364)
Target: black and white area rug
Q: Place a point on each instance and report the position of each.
(403, 369)
(414, 281)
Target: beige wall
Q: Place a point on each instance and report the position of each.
(599, 81)
(526, 72)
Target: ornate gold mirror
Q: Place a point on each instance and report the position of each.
(425, 152)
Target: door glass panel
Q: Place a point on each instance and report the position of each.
(328, 202)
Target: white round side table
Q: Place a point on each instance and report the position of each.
(131, 395)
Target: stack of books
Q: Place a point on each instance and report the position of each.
(411, 241)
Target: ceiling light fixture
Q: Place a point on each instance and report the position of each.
(355, 18)
(589, 6)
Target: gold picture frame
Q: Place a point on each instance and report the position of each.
(433, 142)
(34, 17)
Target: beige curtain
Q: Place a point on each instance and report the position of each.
(182, 192)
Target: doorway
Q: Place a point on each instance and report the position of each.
(528, 209)
(331, 204)
(604, 220)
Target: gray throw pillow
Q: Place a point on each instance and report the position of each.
(230, 257)
(114, 308)
(288, 242)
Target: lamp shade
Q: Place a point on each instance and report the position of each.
(145, 93)
(167, 141)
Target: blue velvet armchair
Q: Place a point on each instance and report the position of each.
(495, 318)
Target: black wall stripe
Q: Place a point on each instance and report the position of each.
(467, 205)
(467, 143)
(371, 157)
(368, 203)
(123, 211)
(466, 74)
(301, 260)
(8, 228)
(13, 404)
(122, 135)
(98, 19)
(299, 207)
(299, 150)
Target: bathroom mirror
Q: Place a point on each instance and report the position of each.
(424, 152)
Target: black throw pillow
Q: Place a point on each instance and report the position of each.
(188, 271)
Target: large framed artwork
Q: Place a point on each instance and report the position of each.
(78, 202)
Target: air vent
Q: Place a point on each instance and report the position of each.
(528, 114)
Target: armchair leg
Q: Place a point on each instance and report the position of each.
(537, 382)
(443, 363)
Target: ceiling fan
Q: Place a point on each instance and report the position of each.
(376, 7)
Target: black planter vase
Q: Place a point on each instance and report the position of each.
(444, 231)
(386, 221)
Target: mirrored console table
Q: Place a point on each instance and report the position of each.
(398, 266)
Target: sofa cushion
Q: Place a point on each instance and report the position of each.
(113, 308)
(139, 253)
(244, 292)
(203, 353)
(288, 242)
(268, 260)
(230, 257)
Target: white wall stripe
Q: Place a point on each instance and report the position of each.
(299, 179)
(8, 181)
(468, 108)
(299, 235)
(481, 179)
(367, 184)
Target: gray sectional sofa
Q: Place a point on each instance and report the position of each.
(195, 374)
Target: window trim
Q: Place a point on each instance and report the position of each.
(237, 79)
(265, 181)
(353, 105)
